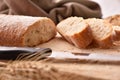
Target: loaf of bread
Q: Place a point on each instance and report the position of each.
(101, 31)
(76, 31)
(25, 30)
(114, 20)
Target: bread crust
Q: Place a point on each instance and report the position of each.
(14, 27)
(83, 38)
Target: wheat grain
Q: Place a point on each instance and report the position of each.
(37, 70)
(28, 70)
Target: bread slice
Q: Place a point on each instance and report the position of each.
(25, 30)
(75, 30)
(101, 31)
(114, 20)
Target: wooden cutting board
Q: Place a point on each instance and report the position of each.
(59, 44)
(77, 70)
(99, 71)
(87, 70)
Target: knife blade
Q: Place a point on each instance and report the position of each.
(85, 56)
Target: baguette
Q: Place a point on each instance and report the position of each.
(101, 31)
(76, 31)
(25, 30)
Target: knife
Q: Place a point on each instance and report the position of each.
(14, 52)
(86, 56)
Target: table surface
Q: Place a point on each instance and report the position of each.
(97, 70)
(80, 70)
(94, 69)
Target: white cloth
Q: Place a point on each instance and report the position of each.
(109, 7)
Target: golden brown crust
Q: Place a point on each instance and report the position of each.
(13, 28)
(83, 38)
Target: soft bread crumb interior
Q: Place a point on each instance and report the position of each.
(67, 25)
(77, 28)
(100, 29)
(117, 28)
(39, 32)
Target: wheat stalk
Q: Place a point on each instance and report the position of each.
(28, 70)
(31, 68)
(36, 70)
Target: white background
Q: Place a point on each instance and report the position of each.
(109, 7)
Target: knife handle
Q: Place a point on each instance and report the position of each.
(12, 53)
